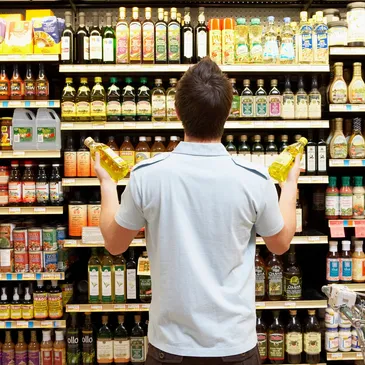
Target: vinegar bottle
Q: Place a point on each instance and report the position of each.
(46, 348)
(70, 158)
(21, 350)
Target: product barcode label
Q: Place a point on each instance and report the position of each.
(46, 324)
(14, 210)
(72, 307)
(96, 307)
(39, 210)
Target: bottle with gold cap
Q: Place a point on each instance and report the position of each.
(280, 168)
(321, 37)
(148, 38)
(174, 40)
(83, 101)
(98, 102)
(122, 38)
(305, 50)
(161, 38)
(135, 38)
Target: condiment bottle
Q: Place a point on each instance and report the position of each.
(127, 153)
(16, 85)
(338, 145)
(143, 151)
(135, 38)
(82, 101)
(121, 343)
(314, 104)
(338, 88)
(230, 147)
(98, 102)
(170, 102)
(358, 200)
(158, 102)
(70, 162)
(4, 305)
(8, 350)
(261, 104)
(276, 344)
(288, 108)
(28, 185)
(33, 349)
(55, 306)
(312, 339)
(174, 141)
(292, 279)
(16, 306)
(260, 277)
(21, 350)
(144, 110)
(274, 100)
(301, 101)
(87, 340)
(356, 88)
(247, 107)
(68, 106)
(294, 339)
(332, 199)
(113, 146)
(29, 84)
(73, 345)
(27, 305)
(345, 198)
(346, 263)
(261, 331)
(333, 264)
(46, 348)
(4, 84)
(83, 159)
(215, 40)
(137, 342)
(42, 186)
(55, 186)
(77, 216)
(42, 84)
(59, 349)
(356, 143)
(40, 301)
(358, 263)
(157, 147)
(129, 108)
(274, 274)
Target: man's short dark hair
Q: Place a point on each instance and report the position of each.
(203, 100)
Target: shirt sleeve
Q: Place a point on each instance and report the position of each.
(130, 214)
(269, 220)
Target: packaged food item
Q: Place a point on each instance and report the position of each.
(7, 260)
(35, 239)
(18, 38)
(2, 33)
(6, 235)
(47, 39)
(21, 261)
(20, 237)
(50, 259)
(35, 261)
(49, 239)
(12, 17)
(37, 13)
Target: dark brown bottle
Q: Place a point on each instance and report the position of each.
(16, 85)
(261, 331)
(276, 340)
(292, 279)
(29, 84)
(42, 85)
(274, 277)
(294, 339)
(312, 339)
(260, 282)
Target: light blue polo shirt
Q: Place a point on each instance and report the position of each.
(201, 210)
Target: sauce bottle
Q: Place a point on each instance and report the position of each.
(59, 349)
(83, 160)
(77, 216)
(294, 339)
(338, 145)
(129, 109)
(98, 102)
(346, 263)
(42, 84)
(27, 305)
(358, 199)
(143, 151)
(4, 305)
(244, 150)
(338, 88)
(345, 198)
(158, 102)
(82, 101)
(127, 153)
(113, 107)
(16, 306)
(276, 342)
(42, 186)
(21, 350)
(358, 263)
(55, 306)
(55, 186)
(4, 84)
(312, 339)
(170, 102)
(356, 143)
(274, 274)
(29, 84)
(257, 151)
(68, 106)
(40, 301)
(332, 199)
(93, 212)
(28, 185)
(70, 159)
(33, 349)
(111, 143)
(260, 277)
(261, 331)
(356, 89)
(46, 348)
(172, 144)
(144, 109)
(87, 343)
(157, 147)
(122, 38)
(247, 106)
(333, 264)
(8, 350)
(16, 85)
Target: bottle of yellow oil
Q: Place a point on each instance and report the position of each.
(280, 168)
(109, 160)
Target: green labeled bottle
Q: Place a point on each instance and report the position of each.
(119, 279)
(107, 284)
(122, 352)
(137, 342)
(94, 270)
(104, 343)
(144, 278)
(129, 109)
(292, 279)
(98, 101)
(113, 106)
(87, 341)
(144, 109)
(73, 345)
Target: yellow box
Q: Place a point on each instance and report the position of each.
(12, 17)
(30, 14)
(18, 38)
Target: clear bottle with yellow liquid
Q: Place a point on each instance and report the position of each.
(116, 167)
(280, 168)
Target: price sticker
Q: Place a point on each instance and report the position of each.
(158, 124)
(14, 210)
(260, 304)
(317, 179)
(337, 229)
(313, 238)
(133, 307)
(100, 125)
(145, 307)
(359, 229)
(290, 304)
(46, 324)
(316, 124)
(261, 123)
(359, 355)
(28, 276)
(129, 125)
(49, 276)
(41, 103)
(336, 356)
(66, 182)
(16, 104)
(39, 210)
(2, 324)
(71, 243)
(21, 324)
(72, 308)
(119, 307)
(247, 123)
(67, 125)
(96, 307)
(18, 153)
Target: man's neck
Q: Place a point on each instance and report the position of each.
(198, 140)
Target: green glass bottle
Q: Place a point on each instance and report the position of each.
(119, 279)
(109, 41)
(94, 270)
(73, 346)
(104, 343)
(137, 342)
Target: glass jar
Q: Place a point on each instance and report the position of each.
(331, 15)
(337, 33)
(5, 133)
(4, 174)
(344, 322)
(331, 340)
(4, 195)
(331, 318)
(344, 339)
(355, 343)
(356, 21)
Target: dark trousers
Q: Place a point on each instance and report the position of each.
(159, 357)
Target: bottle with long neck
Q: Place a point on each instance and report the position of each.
(4, 84)
(161, 38)
(33, 349)
(274, 100)
(247, 108)
(315, 104)
(305, 48)
(42, 84)
(261, 105)
(338, 145)
(301, 101)
(312, 339)
(29, 84)
(188, 38)
(96, 41)
(356, 144)
(148, 38)
(201, 37)
(87, 343)
(21, 349)
(135, 38)
(122, 38)
(276, 342)
(131, 278)
(109, 41)
(16, 85)
(121, 343)
(68, 40)
(288, 109)
(294, 339)
(137, 342)
(82, 41)
(8, 350)
(104, 343)
(174, 40)
(46, 348)
(72, 337)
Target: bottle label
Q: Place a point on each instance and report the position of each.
(287, 51)
(322, 43)
(292, 287)
(129, 157)
(288, 107)
(346, 204)
(339, 92)
(235, 107)
(144, 108)
(40, 301)
(119, 276)
(358, 203)
(8, 357)
(122, 33)
(294, 343)
(260, 281)
(188, 44)
(358, 272)
(70, 164)
(312, 343)
(83, 109)
(68, 109)
(59, 356)
(42, 88)
(170, 103)
(228, 39)
(262, 344)
(137, 349)
(357, 147)
(245, 155)
(15, 311)
(301, 106)
(306, 49)
(275, 102)
(129, 108)
(96, 47)
(346, 269)
(65, 49)
(202, 40)
(42, 192)
(158, 106)
(104, 351)
(15, 88)
(88, 350)
(56, 193)
(46, 135)
(86, 48)
(33, 357)
(275, 277)
(55, 305)
(215, 46)
(311, 159)
(135, 41)
(332, 204)
(46, 356)
(339, 147)
(73, 352)
(247, 106)
(106, 283)
(148, 42)
(322, 158)
(122, 351)
(98, 109)
(258, 157)
(29, 88)
(271, 50)
(131, 284)
(4, 311)
(357, 92)
(4, 88)
(83, 163)
(174, 42)
(108, 50)
(276, 346)
(23, 134)
(28, 192)
(27, 311)
(314, 108)
(94, 283)
(333, 270)
(113, 108)
(145, 288)
(299, 220)
(15, 192)
(161, 43)
(261, 106)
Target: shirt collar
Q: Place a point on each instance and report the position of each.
(201, 149)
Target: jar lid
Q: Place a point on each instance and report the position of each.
(337, 23)
(356, 5)
(331, 12)
(7, 118)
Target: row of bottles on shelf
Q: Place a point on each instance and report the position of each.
(175, 40)
(346, 202)
(29, 88)
(78, 163)
(41, 303)
(115, 280)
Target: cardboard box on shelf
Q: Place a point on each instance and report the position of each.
(47, 37)
(18, 38)
(2, 34)
(12, 17)
(37, 13)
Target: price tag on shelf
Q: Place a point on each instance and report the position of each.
(15, 103)
(359, 355)
(158, 124)
(46, 324)
(260, 304)
(318, 179)
(96, 307)
(119, 307)
(316, 124)
(71, 243)
(2, 324)
(49, 275)
(247, 123)
(66, 182)
(100, 125)
(18, 153)
(313, 238)
(359, 229)
(337, 229)
(72, 308)
(28, 276)
(290, 304)
(41, 103)
(130, 125)
(145, 307)
(39, 210)
(14, 210)
(336, 355)
(67, 125)
(21, 324)
(132, 307)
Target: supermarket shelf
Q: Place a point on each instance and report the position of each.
(29, 57)
(29, 104)
(300, 304)
(30, 154)
(300, 240)
(138, 242)
(313, 180)
(182, 68)
(33, 324)
(347, 108)
(334, 356)
(347, 162)
(238, 124)
(356, 286)
(30, 210)
(347, 51)
(32, 276)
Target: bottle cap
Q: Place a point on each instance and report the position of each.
(255, 21)
(4, 297)
(345, 180)
(39, 282)
(69, 80)
(143, 80)
(158, 138)
(113, 80)
(83, 80)
(358, 246)
(303, 141)
(287, 20)
(333, 246)
(241, 21)
(59, 335)
(173, 138)
(54, 283)
(98, 79)
(128, 80)
(270, 19)
(27, 295)
(346, 245)
(293, 312)
(358, 180)
(142, 139)
(46, 335)
(332, 181)
(88, 141)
